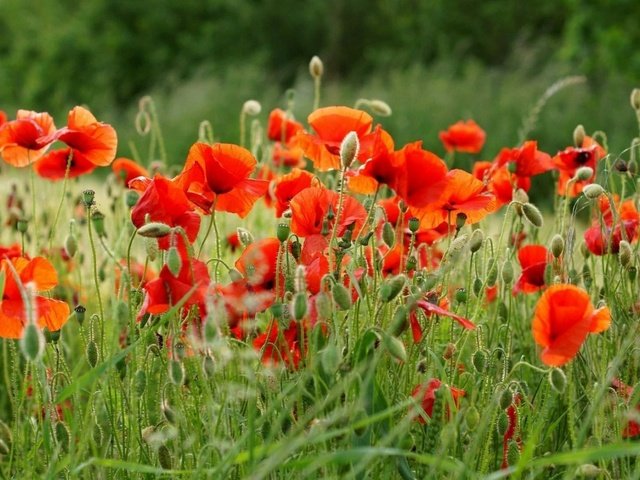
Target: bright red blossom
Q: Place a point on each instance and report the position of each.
(463, 137)
(19, 144)
(533, 260)
(425, 393)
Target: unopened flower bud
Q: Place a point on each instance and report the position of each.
(507, 272)
(341, 296)
(139, 382)
(505, 399)
(461, 219)
(92, 353)
(324, 306)
(32, 342)
(557, 245)
(593, 191)
(169, 413)
(395, 347)
(624, 254)
(71, 245)
(472, 417)
(391, 287)
(164, 457)
(557, 380)
(578, 135)
(532, 214)
(173, 261)
(62, 435)
(97, 218)
(316, 68)
(349, 149)
(151, 248)
(475, 242)
(479, 361)
(245, 236)
(380, 108)
(492, 272)
(502, 424)
(154, 230)
(388, 234)
(300, 306)
(588, 470)
(513, 453)
(176, 372)
(583, 174)
(252, 107)
(635, 99)
(399, 321)
(131, 197)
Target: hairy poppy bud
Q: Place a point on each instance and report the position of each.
(329, 359)
(395, 347)
(505, 399)
(139, 382)
(341, 296)
(349, 149)
(557, 380)
(324, 306)
(593, 191)
(475, 242)
(557, 245)
(624, 254)
(578, 135)
(176, 372)
(513, 453)
(380, 108)
(252, 107)
(532, 214)
(154, 230)
(479, 361)
(61, 432)
(87, 197)
(164, 457)
(316, 68)
(391, 287)
(97, 218)
(507, 272)
(477, 286)
(399, 322)
(583, 174)
(589, 470)
(92, 353)
(173, 261)
(169, 413)
(32, 342)
(71, 245)
(635, 99)
(502, 425)
(245, 236)
(388, 234)
(492, 272)
(300, 306)
(472, 417)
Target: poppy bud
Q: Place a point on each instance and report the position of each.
(324, 306)
(557, 245)
(329, 359)
(316, 68)
(245, 236)
(208, 365)
(399, 322)
(507, 272)
(349, 149)
(139, 382)
(300, 306)
(87, 197)
(282, 232)
(635, 99)
(391, 287)
(479, 361)
(472, 417)
(169, 413)
(388, 234)
(414, 224)
(513, 453)
(380, 108)
(61, 432)
(475, 242)
(578, 135)
(71, 245)
(341, 296)
(492, 272)
(588, 470)
(624, 254)
(532, 214)
(325, 225)
(621, 166)
(92, 353)
(583, 174)
(521, 196)
(461, 295)
(461, 219)
(557, 380)
(22, 225)
(593, 191)
(176, 372)
(164, 457)
(395, 347)
(506, 399)
(154, 230)
(477, 286)
(632, 273)
(173, 261)
(97, 218)
(251, 107)
(502, 425)
(131, 198)
(32, 342)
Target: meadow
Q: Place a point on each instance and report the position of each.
(313, 294)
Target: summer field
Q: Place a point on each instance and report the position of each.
(314, 299)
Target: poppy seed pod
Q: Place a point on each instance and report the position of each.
(282, 232)
(22, 225)
(154, 230)
(578, 135)
(635, 99)
(252, 107)
(532, 214)
(97, 218)
(80, 311)
(593, 191)
(88, 197)
(316, 67)
(557, 245)
(349, 149)
(414, 224)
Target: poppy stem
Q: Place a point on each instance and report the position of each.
(33, 203)
(338, 212)
(96, 280)
(206, 236)
(65, 181)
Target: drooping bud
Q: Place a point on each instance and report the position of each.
(475, 242)
(583, 174)
(395, 347)
(557, 380)
(299, 306)
(461, 220)
(532, 214)
(635, 99)
(176, 372)
(479, 361)
(173, 261)
(399, 322)
(380, 108)
(513, 453)
(593, 191)
(71, 245)
(502, 425)
(349, 149)
(169, 413)
(139, 382)
(557, 245)
(505, 399)
(388, 234)
(324, 306)
(472, 417)
(316, 67)
(252, 107)
(61, 432)
(164, 457)
(578, 135)
(151, 248)
(507, 272)
(492, 272)
(154, 230)
(92, 353)
(391, 287)
(32, 342)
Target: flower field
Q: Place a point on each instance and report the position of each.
(316, 300)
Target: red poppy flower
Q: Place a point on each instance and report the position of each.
(527, 160)
(500, 181)
(258, 264)
(571, 159)
(3, 117)
(281, 127)
(462, 194)
(603, 239)
(242, 302)
(166, 290)
(287, 156)
(279, 347)
(288, 186)
(310, 207)
(422, 176)
(632, 426)
(533, 260)
(219, 174)
(314, 258)
(19, 144)
(165, 202)
(89, 142)
(51, 313)
(331, 125)
(430, 308)
(563, 318)
(425, 393)
(126, 170)
(463, 137)
(381, 166)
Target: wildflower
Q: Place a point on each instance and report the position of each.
(563, 318)
(90, 144)
(380, 167)
(421, 178)
(500, 181)
(570, 160)
(525, 161)
(288, 186)
(126, 170)
(533, 261)
(257, 264)
(279, 347)
(281, 127)
(463, 137)
(48, 312)
(19, 144)
(425, 393)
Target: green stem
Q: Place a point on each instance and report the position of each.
(96, 280)
(64, 193)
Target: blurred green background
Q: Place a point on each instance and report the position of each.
(433, 61)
